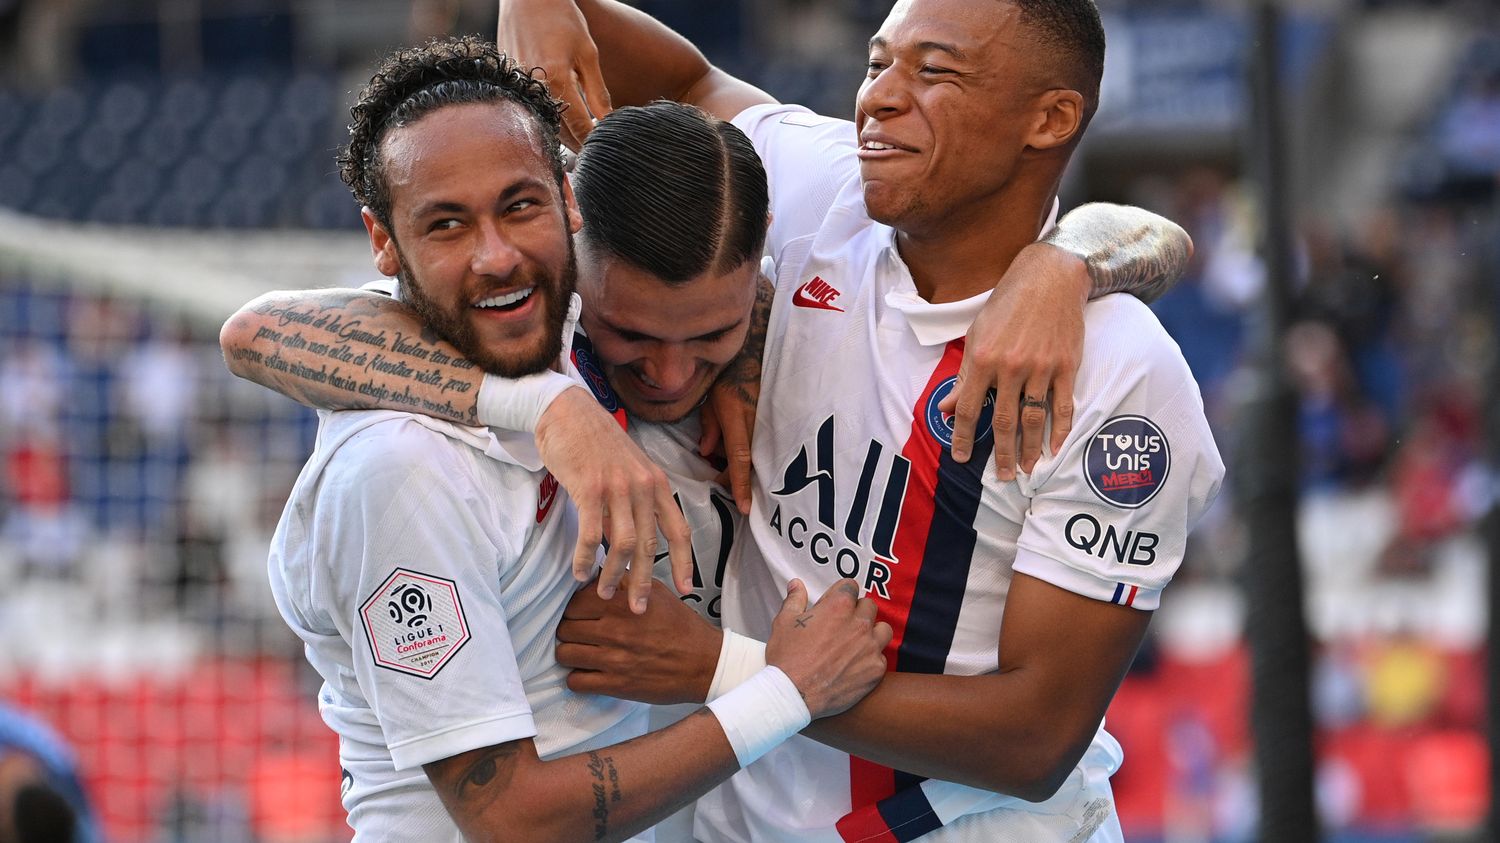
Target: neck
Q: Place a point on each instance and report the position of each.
(965, 253)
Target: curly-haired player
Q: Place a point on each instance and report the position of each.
(425, 565)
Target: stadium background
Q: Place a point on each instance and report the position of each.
(162, 161)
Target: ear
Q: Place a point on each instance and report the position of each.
(570, 205)
(382, 245)
(1058, 121)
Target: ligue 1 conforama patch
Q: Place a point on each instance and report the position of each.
(1127, 461)
(415, 623)
(940, 424)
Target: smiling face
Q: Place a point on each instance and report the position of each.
(479, 233)
(662, 345)
(945, 109)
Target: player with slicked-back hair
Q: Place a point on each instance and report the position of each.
(692, 199)
(425, 564)
(1018, 597)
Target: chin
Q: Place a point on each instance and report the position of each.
(655, 413)
(885, 204)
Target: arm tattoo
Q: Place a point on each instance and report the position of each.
(602, 769)
(743, 372)
(473, 779)
(1126, 249)
(350, 349)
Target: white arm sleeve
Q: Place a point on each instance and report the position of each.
(416, 580)
(1110, 513)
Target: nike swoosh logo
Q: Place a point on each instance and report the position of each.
(802, 299)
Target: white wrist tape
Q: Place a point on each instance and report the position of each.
(740, 657)
(518, 403)
(761, 713)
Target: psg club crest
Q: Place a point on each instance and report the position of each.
(415, 623)
(593, 375)
(1127, 461)
(941, 424)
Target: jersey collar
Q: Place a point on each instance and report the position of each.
(936, 324)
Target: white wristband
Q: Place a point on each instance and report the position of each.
(518, 403)
(761, 713)
(740, 657)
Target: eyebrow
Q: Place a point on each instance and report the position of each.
(710, 336)
(924, 47)
(505, 197)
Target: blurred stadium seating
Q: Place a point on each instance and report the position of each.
(140, 201)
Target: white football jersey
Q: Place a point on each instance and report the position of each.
(707, 506)
(426, 566)
(854, 479)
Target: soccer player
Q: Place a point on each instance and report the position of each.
(422, 562)
(1017, 603)
(668, 269)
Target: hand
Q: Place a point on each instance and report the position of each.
(667, 655)
(553, 35)
(728, 417)
(1026, 344)
(831, 652)
(615, 487)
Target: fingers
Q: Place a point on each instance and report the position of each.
(883, 634)
(737, 449)
(1007, 401)
(575, 117)
(679, 538)
(638, 580)
(621, 542)
(796, 598)
(708, 440)
(585, 605)
(845, 589)
(866, 609)
(590, 535)
(965, 402)
(1062, 409)
(1033, 414)
(591, 83)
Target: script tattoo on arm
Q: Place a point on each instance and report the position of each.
(1126, 249)
(350, 350)
(606, 788)
(743, 373)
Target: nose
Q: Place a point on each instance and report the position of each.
(494, 253)
(670, 367)
(882, 96)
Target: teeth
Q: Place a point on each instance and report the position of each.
(877, 145)
(510, 298)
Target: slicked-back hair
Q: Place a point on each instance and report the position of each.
(413, 82)
(672, 191)
(1072, 30)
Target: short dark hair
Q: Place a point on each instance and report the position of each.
(672, 190)
(1072, 30)
(413, 82)
(42, 815)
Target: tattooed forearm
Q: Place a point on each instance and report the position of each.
(743, 373)
(342, 349)
(1126, 249)
(606, 788)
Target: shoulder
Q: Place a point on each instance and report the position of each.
(1126, 347)
(370, 458)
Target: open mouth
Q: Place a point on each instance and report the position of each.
(507, 302)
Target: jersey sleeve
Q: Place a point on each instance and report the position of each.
(809, 158)
(419, 589)
(1111, 512)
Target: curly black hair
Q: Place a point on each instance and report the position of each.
(412, 82)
